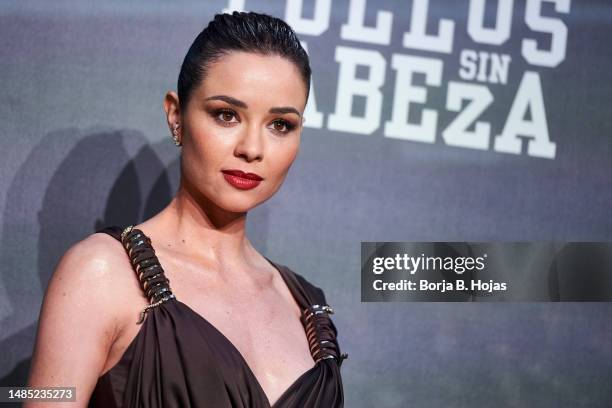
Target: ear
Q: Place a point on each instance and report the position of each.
(172, 109)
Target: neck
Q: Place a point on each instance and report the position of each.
(195, 225)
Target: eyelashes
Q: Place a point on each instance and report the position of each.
(219, 112)
(220, 116)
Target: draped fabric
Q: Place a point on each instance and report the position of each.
(179, 359)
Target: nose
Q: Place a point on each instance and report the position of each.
(250, 144)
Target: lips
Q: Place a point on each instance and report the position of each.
(241, 180)
(242, 174)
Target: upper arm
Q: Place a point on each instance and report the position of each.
(79, 319)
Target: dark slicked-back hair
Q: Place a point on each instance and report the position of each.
(240, 31)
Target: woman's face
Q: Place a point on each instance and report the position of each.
(245, 115)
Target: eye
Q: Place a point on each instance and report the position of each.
(282, 126)
(224, 116)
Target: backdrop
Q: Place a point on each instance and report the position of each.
(429, 120)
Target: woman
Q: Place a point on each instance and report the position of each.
(219, 325)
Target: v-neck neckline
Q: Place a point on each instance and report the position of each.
(300, 300)
(239, 354)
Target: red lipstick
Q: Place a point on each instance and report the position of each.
(242, 180)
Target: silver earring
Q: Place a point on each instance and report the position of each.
(175, 134)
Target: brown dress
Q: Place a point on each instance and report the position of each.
(179, 359)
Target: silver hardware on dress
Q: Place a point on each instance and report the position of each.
(140, 252)
(146, 309)
(320, 333)
(126, 231)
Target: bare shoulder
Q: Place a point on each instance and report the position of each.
(98, 251)
(96, 267)
(315, 291)
(98, 272)
(83, 312)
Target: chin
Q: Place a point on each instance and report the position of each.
(241, 202)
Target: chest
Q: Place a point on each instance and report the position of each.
(262, 322)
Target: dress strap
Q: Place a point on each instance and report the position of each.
(145, 263)
(320, 329)
(321, 333)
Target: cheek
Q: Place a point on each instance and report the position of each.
(207, 150)
(197, 164)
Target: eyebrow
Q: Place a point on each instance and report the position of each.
(241, 104)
